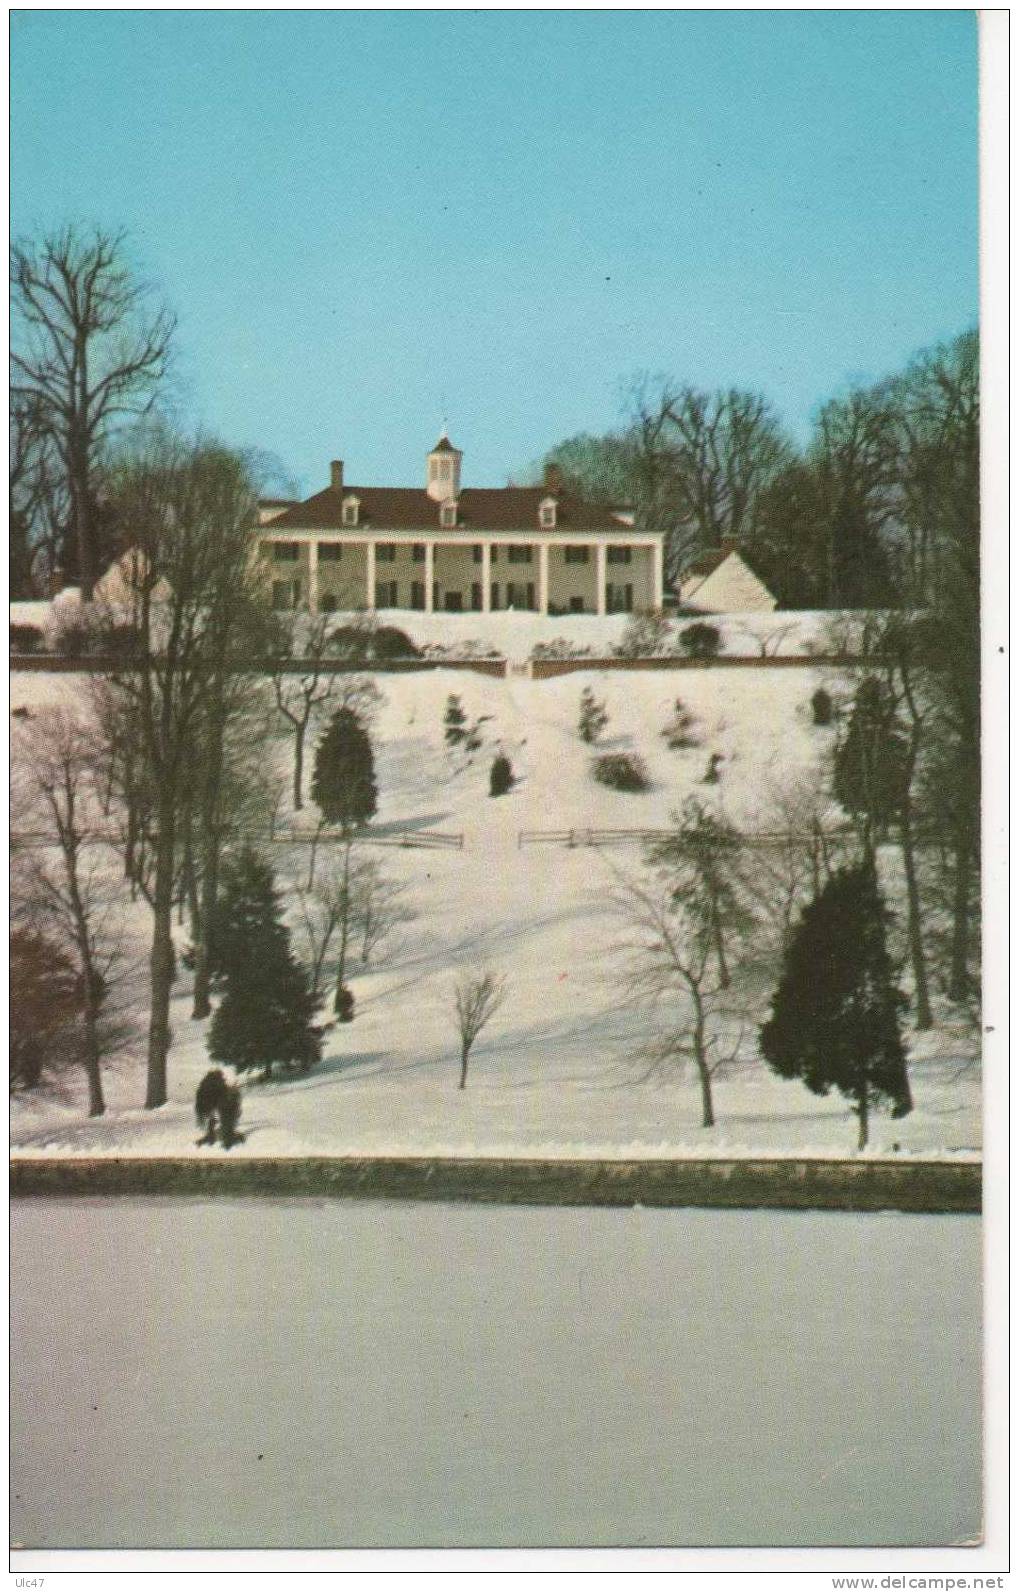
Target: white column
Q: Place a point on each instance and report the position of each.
(601, 568)
(486, 577)
(313, 577)
(543, 578)
(429, 577)
(369, 558)
(659, 568)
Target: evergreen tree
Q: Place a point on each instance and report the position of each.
(593, 716)
(835, 1013)
(870, 765)
(246, 926)
(500, 778)
(267, 1009)
(344, 780)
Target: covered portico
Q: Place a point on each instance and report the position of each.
(537, 574)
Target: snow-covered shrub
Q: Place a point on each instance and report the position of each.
(646, 636)
(681, 730)
(500, 779)
(73, 636)
(621, 771)
(593, 716)
(559, 647)
(700, 640)
(459, 651)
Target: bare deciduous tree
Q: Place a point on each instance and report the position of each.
(477, 998)
(666, 957)
(298, 692)
(190, 513)
(62, 876)
(88, 355)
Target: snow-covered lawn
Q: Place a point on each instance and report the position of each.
(559, 1070)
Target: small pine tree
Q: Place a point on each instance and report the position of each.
(500, 779)
(266, 1014)
(454, 721)
(343, 784)
(835, 1013)
(681, 730)
(593, 716)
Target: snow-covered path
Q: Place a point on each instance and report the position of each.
(302, 1374)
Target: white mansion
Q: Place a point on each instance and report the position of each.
(443, 548)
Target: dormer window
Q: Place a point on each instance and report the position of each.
(447, 515)
(546, 514)
(351, 509)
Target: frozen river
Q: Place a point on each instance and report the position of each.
(269, 1373)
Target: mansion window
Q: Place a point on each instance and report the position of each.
(619, 555)
(330, 552)
(546, 515)
(520, 555)
(520, 595)
(419, 558)
(476, 552)
(447, 515)
(417, 594)
(286, 552)
(386, 594)
(577, 555)
(350, 510)
(385, 552)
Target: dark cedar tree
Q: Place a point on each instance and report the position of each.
(343, 784)
(835, 1013)
(266, 1014)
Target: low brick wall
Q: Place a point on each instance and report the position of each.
(58, 663)
(858, 1185)
(547, 668)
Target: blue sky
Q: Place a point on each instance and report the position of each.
(368, 221)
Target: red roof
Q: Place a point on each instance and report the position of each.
(405, 508)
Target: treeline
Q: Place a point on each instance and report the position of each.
(880, 509)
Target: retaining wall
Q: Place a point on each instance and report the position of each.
(859, 1185)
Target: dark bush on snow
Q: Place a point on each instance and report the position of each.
(621, 771)
(701, 641)
(381, 645)
(822, 706)
(25, 638)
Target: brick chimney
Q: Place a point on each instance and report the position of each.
(553, 477)
(336, 475)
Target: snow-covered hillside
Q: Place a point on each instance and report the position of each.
(561, 1070)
